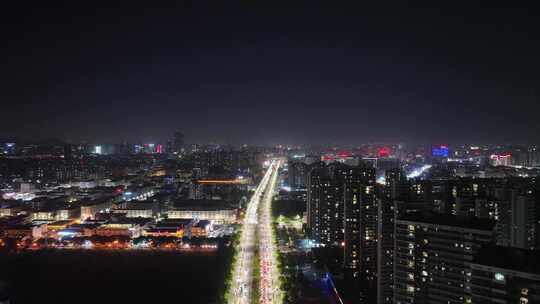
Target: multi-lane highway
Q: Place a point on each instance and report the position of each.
(243, 268)
(269, 283)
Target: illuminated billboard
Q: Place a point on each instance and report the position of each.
(439, 151)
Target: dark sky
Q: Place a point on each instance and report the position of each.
(259, 74)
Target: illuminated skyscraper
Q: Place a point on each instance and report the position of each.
(396, 188)
(342, 211)
(325, 208)
(360, 223)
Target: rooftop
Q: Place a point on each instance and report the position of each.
(509, 258)
(202, 223)
(202, 205)
(449, 220)
(162, 229)
(86, 225)
(92, 202)
(173, 223)
(132, 220)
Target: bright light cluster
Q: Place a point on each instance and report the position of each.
(417, 172)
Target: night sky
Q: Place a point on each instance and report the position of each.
(247, 73)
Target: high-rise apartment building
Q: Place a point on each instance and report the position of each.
(325, 205)
(342, 212)
(297, 174)
(517, 222)
(504, 275)
(395, 189)
(433, 254)
(360, 223)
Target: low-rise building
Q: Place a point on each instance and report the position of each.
(167, 232)
(130, 227)
(25, 231)
(86, 230)
(216, 211)
(67, 213)
(53, 228)
(48, 215)
(171, 228)
(201, 228)
(135, 213)
(90, 208)
(217, 216)
(9, 211)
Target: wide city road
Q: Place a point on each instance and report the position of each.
(243, 268)
(269, 283)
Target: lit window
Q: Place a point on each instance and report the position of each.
(499, 276)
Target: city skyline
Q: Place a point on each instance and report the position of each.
(247, 152)
(373, 224)
(348, 74)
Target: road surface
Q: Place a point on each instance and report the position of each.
(243, 268)
(269, 283)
